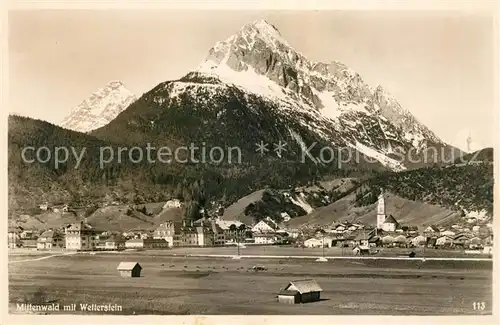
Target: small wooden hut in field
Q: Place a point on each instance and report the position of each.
(129, 269)
(300, 291)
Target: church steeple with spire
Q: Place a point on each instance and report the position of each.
(381, 210)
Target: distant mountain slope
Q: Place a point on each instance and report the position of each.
(236, 211)
(255, 87)
(293, 203)
(433, 195)
(456, 187)
(100, 108)
(406, 212)
(31, 184)
(45, 220)
(483, 155)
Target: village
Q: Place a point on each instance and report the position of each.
(138, 255)
(472, 234)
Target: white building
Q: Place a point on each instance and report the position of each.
(390, 224)
(286, 217)
(265, 238)
(448, 233)
(264, 226)
(50, 239)
(114, 242)
(444, 240)
(205, 236)
(313, 242)
(134, 243)
(318, 242)
(80, 236)
(471, 220)
(170, 204)
(380, 211)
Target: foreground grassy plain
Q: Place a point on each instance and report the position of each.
(201, 285)
(293, 251)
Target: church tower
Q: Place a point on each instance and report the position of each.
(380, 210)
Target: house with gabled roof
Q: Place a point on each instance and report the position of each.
(474, 242)
(352, 228)
(50, 239)
(219, 234)
(13, 236)
(460, 239)
(129, 269)
(114, 242)
(431, 242)
(264, 226)
(448, 233)
(265, 238)
(205, 236)
(169, 231)
(80, 236)
(323, 241)
(374, 241)
(487, 240)
(300, 291)
(340, 228)
(362, 238)
(444, 241)
(390, 224)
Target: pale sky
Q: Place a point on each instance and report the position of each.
(438, 65)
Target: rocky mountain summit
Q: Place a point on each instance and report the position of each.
(333, 89)
(100, 108)
(254, 81)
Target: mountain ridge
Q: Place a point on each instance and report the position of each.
(275, 95)
(100, 108)
(328, 101)
(273, 57)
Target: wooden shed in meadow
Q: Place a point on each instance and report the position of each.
(300, 291)
(129, 269)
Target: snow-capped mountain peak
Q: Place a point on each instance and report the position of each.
(260, 60)
(100, 108)
(329, 102)
(264, 31)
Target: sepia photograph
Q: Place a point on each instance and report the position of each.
(250, 162)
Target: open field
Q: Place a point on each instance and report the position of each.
(293, 251)
(196, 285)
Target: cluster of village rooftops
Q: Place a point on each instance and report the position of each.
(206, 232)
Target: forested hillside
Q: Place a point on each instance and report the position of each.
(31, 184)
(469, 187)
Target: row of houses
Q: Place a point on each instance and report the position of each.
(217, 232)
(454, 230)
(389, 225)
(381, 239)
(202, 232)
(77, 236)
(81, 236)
